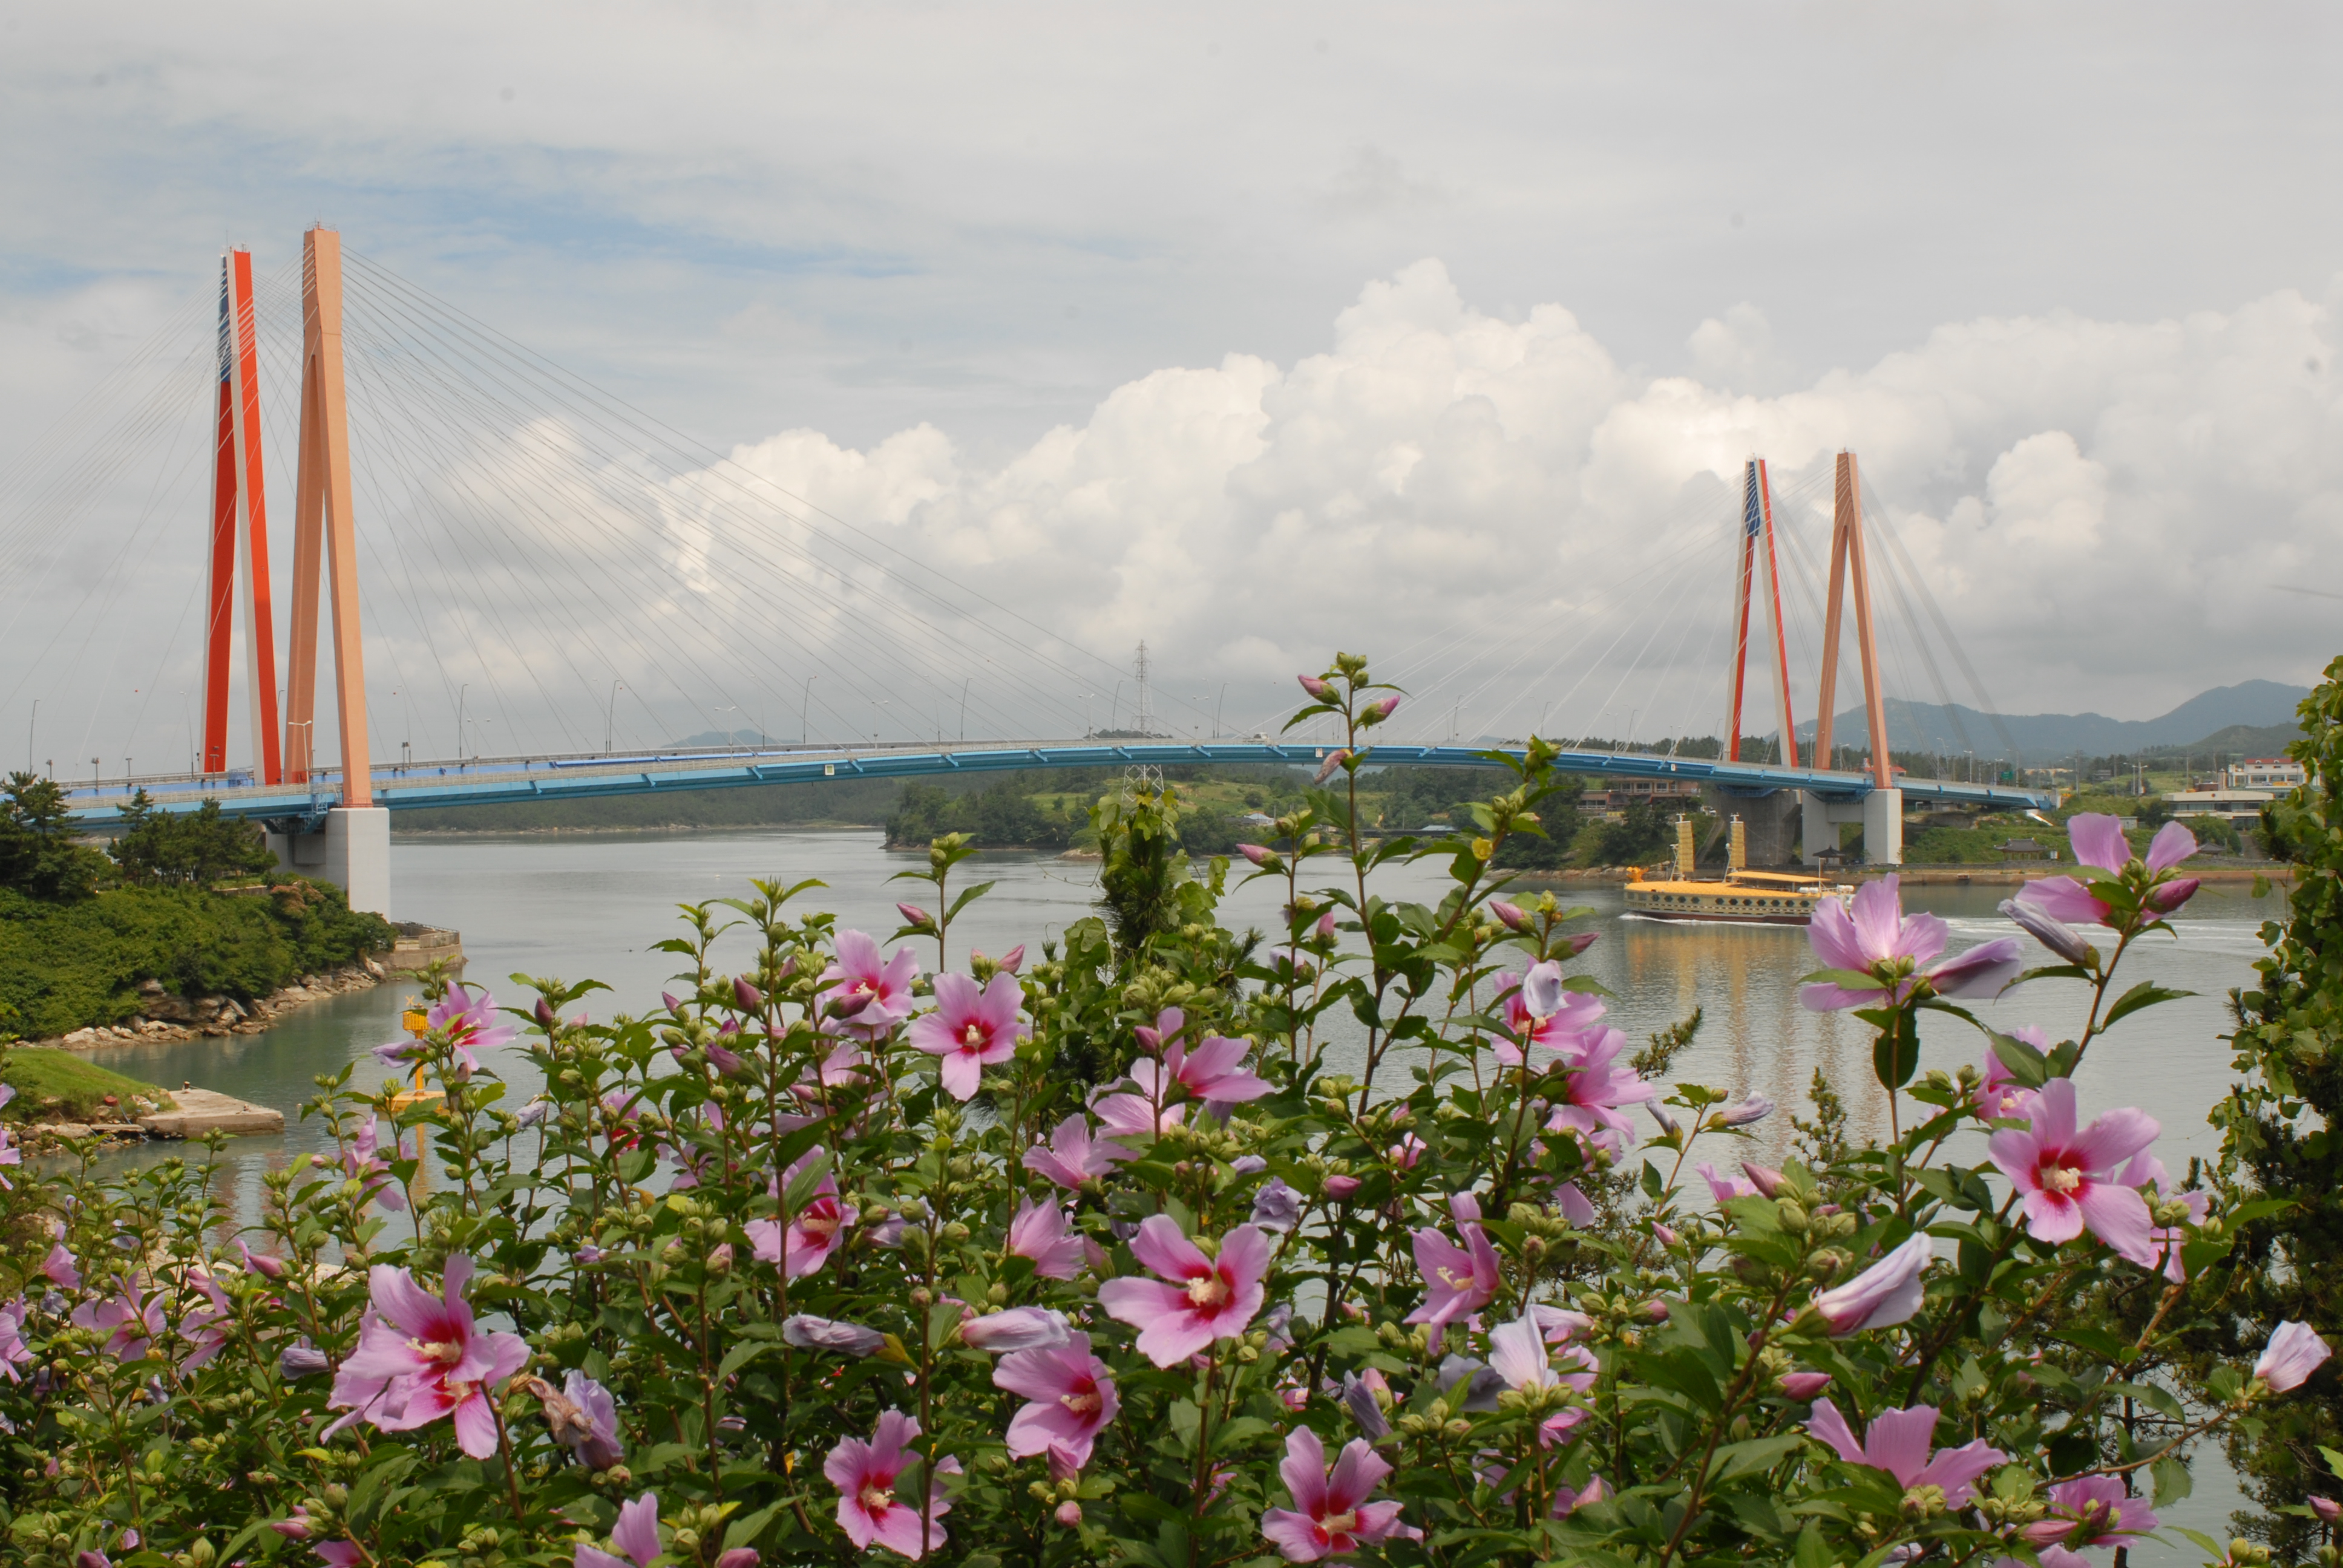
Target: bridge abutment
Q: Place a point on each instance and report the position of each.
(352, 851)
(1881, 812)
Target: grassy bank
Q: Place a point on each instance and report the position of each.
(60, 1085)
(64, 966)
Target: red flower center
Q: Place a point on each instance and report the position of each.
(446, 1352)
(1339, 1524)
(973, 1036)
(875, 1496)
(1085, 1402)
(2059, 1178)
(1210, 1290)
(818, 1225)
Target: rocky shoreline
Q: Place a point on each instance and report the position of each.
(162, 1016)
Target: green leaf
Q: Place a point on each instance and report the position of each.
(977, 891)
(801, 1187)
(2147, 993)
(1354, 1340)
(2026, 1064)
(744, 1530)
(1812, 1552)
(1896, 1055)
(2173, 1482)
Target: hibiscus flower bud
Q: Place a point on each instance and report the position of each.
(1378, 712)
(1263, 856)
(2327, 1507)
(2169, 896)
(1768, 1179)
(914, 915)
(1316, 688)
(1069, 1513)
(1334, 759)
(1340, 1188)
(545, 1014)
(1508, 912)
(749, 998)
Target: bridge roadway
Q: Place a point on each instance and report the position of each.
(504, 781)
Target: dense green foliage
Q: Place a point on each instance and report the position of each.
(1003, 815)
(2284, 1126)
(39, 856)
(67, 965)
(194, 849)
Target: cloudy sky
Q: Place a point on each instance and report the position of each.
(1436, 332)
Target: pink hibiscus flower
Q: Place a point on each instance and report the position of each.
(1072, 1399)
(1593, 1088)
(2069, 1178)
(1214, 1073)
(971, 1029)
(420, 1357)
(636, 1535)
(880, 994)
(814, 1232)
(1897, 1443)
(13, 1351)
(865, 1475)
(1517, 1352)
(471, 1024)
(1208, 1298)
(2098, 842)
(1574, 1014)
(1040, 1232)
(1072, 1156)
(1878, 940)
(362, 1162)
(1131, 1116)
(131, 1319)
(1458, 1281)
(1331, 1515)
(1724, 1188)
(2090, 1510)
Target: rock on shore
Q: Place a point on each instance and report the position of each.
(162, 1016)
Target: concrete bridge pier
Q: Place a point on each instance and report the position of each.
(1769, 821)
(352, 851)
(1881, 812)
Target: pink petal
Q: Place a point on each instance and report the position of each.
(2054, 1120)
(2052, 1217)
(1357, 1471)
(1984, 970)
(1244, 1255)
(1295, 1535)
(2064, 899)
(1878, 921)
(2118, 1216)
(1898, 1440)
(1832, 935)
(962, 1075)
(475, 1428)
(1304, 1471)
(2099, 839)
(2116, 1136)
(1161, 1247)
(2173, 844)
(1957, 1470)
(1826, 1424)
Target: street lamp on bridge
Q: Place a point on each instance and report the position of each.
(610, 714)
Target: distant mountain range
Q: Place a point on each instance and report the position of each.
(2252, 716)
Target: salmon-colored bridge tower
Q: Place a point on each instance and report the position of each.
(351, 845)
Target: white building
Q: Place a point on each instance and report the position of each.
(2266, 773)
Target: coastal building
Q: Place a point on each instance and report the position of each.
(2239, 808)
(2264, 773)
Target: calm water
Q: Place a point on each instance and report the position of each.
(592, 906)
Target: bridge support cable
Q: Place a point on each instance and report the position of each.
(751, 502)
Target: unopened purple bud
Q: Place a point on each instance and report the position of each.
(1664, 1235)
(545, 1014)
(534, 1113)
(1667, 1123)
(1012, 960)
(1334, 759)
(1340, 1188)
(2169, 896)
(672, 1005)
(749, 998)
(1315, 687)
(1248, 1164)
(1378, 712)
(298, 1362)
(809, 1332)
(1326, 927)
(1754, 1109)
(1069, 1513)
(1768, 1179)
(1259, 855)
(2327, 1507)
(2053, 933)
(1509, 913)
(914, 915)
(1805, 1385)
(1581, 942)
(727, 1063)
(1655, 1311)
(738, 1557)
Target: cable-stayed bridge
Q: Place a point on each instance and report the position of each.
(498, 557)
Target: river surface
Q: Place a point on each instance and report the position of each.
(579, 907)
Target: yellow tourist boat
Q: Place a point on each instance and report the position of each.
(1742, 896)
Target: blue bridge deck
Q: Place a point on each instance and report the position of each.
(503, 781)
